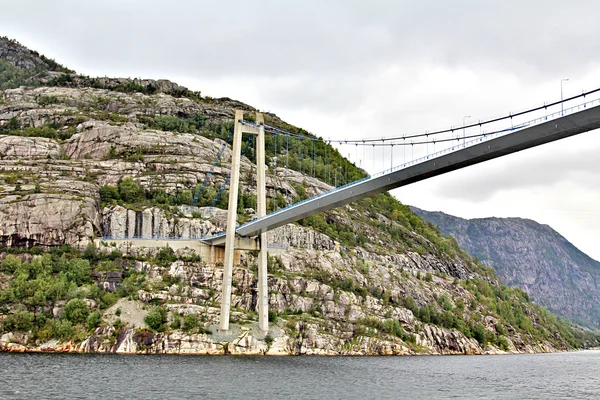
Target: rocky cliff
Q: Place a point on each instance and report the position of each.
(83, 158)
(533, 257)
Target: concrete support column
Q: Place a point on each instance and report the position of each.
(261, 205)
(231, 221)
(211, 257)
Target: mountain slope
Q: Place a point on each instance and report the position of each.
(81, 157)
(533, 257)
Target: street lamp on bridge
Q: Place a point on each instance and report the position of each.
(464, 138)
(562, 106)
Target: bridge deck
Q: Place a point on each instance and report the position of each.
(475, 151)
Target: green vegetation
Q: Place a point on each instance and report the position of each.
(156, 318)
(62, 276)
(192, 123)
(129, 86)
(269, 339)
(190, 322)
(132, 194)
(370, 326)
(93, 320)
(312, 157)
(12, 77)
(50, 131)
(76, 311)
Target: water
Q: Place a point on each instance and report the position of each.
(541, 376)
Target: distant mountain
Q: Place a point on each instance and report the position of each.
(531, 256)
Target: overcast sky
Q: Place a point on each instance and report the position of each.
(354, 69)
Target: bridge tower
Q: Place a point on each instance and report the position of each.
(231, 242)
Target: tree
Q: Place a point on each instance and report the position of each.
(21, 320)
(109, 193)
(78, 270)
(190, 322)
(76, 311)
(93, 320)
(156, 318)
(409, 303)
(479, 333)
(62, 329)
(10, 264)
(130, 191)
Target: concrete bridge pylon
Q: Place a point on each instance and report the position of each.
(230, 237)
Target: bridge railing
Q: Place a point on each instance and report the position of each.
(171, 238)
(489, 135)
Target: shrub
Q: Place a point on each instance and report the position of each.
(479, 333)
(156, 318)
(76, 311)
(93, 320)
(62, 329)
(21, 320)
(165, 256)
(131, 191)
(109, 193)
(269, 339)
(90, 252)
(273, 316)
(503, 343)
(409, 303)
(190, 322)
(46, 100)
(10, 264)
(176, 324)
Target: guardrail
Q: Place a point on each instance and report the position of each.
(109, 238)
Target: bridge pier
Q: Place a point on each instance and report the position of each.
(261, 205)
(231, 241)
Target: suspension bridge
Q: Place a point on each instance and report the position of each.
(485, 140)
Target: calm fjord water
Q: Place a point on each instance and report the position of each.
(540, 376)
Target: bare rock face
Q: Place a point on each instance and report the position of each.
(31, 148)
(41, 219)
(97, 138)
(302, 238)
(119, 222)
(448, 342)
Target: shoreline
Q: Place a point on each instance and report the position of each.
(70, 349)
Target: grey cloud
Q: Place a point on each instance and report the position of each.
(278, 39)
